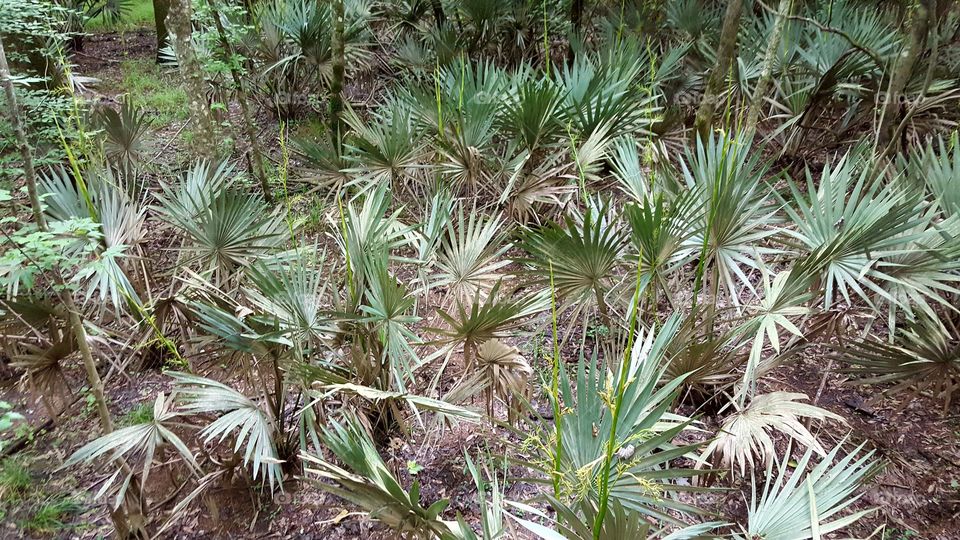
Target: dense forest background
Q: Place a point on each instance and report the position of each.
(480, 269)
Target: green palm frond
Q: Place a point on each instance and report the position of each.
(661, 231)
(372, 486)
(140, 442)
(583, 256)
(291, 298)
(641, 478)
(936, 167)
(125, 132)
(487, 318)
(471, 255)
(253, 427)
(225, 230)
(736, 216)
(807, 505)
(925, 355)
(849, 222)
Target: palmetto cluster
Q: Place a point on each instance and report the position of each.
(526, 244)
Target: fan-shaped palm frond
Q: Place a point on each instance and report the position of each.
(125, 130)
(746, 432)
(580, 257)
(848, 222)
(140, 442)
(487, 318)
(254, 428)
(468, 259)
(372, 486)
(502, 373)
(290, 298)
(804, 506)
(926, 356)
(736, 215)
(640, 476)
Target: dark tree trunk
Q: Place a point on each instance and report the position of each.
(336, 84)
(160, 9)
(902, 70)
(725, 51)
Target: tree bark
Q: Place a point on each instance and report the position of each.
(23, 145)
(766, 73)
(179, 24)
(438, 14)
(336, 83)
(255, 155)
(160, 9)
(903, 69)
(725, 50)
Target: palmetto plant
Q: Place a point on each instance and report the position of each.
(125, 132)
(481, 319)
(850, 221)
(144, 442)
(640, 476)
(471, 256)
(807, 504)
(746, 432)
(503, 374)
(372, 486)
(736, 213)
(225, 230)
(580, 257)
(925, 355)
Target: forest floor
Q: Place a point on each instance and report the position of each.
(917, 495)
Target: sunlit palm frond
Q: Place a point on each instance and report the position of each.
(809, 504)
(746, 433)
(238, 415)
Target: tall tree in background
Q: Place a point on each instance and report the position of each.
(725, 50)
(903, 68)
(256, 158)
(336, 84)
(766, 73)
(178, 22)
(160, 9)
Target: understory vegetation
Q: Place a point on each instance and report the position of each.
(478, 269)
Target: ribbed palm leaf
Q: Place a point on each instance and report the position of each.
(372, 486)
(804, 506)
(746, 433)
(488, 318)
(253, 427)
(848, 222)
(583, 256)
(471, 256)
(925, 356)
(137, 442)
(737, 217)
(640, 477)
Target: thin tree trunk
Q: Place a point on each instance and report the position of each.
(74, 320)
(902, 71)
(160, 9)
(336, 84)
(438, 14)
(22, 144)
(576, 14)
(725, 50)
(255, 155)
(766, 74)
(178, 22)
